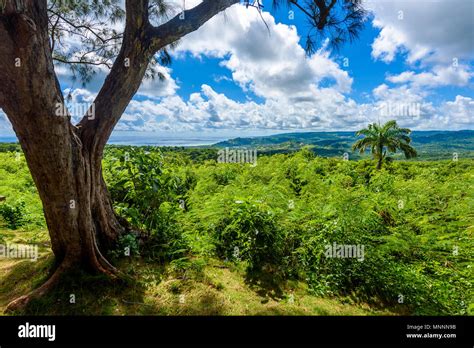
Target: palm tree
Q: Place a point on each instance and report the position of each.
(382, 138)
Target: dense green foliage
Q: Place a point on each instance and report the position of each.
(14, 215)
(22, 207)
(414, 219)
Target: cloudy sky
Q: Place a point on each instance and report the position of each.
(412, 62)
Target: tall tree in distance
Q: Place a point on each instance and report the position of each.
(64, 158)
(380, 139)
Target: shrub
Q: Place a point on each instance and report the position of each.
(14, 215)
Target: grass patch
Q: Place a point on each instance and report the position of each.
(215, 288)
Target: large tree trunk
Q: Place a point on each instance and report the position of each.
(65, 160)
(67, 173)
(77, 208)
(78, 211)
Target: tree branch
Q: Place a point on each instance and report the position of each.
(123, 80)
(140, 43)
(187, 22)
(65, 61)
(295, 2)
(82, 26)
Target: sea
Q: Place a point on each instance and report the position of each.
(143, 138)
(147, 138)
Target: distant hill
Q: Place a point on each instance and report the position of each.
(429, 144)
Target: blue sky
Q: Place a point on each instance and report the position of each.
(232, 77)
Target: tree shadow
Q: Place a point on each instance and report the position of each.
(77, 293)
(266, 285)
(23, 276)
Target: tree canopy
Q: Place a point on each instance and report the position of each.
(382, 138)
(98, 26)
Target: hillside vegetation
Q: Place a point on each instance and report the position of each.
(230, 238)
(430, 145)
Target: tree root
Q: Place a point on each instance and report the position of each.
(21, 302)
(100, 265)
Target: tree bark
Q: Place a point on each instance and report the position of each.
(68, 176)
(380, 157)
(65, 160)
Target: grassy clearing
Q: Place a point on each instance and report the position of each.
(217, 288)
